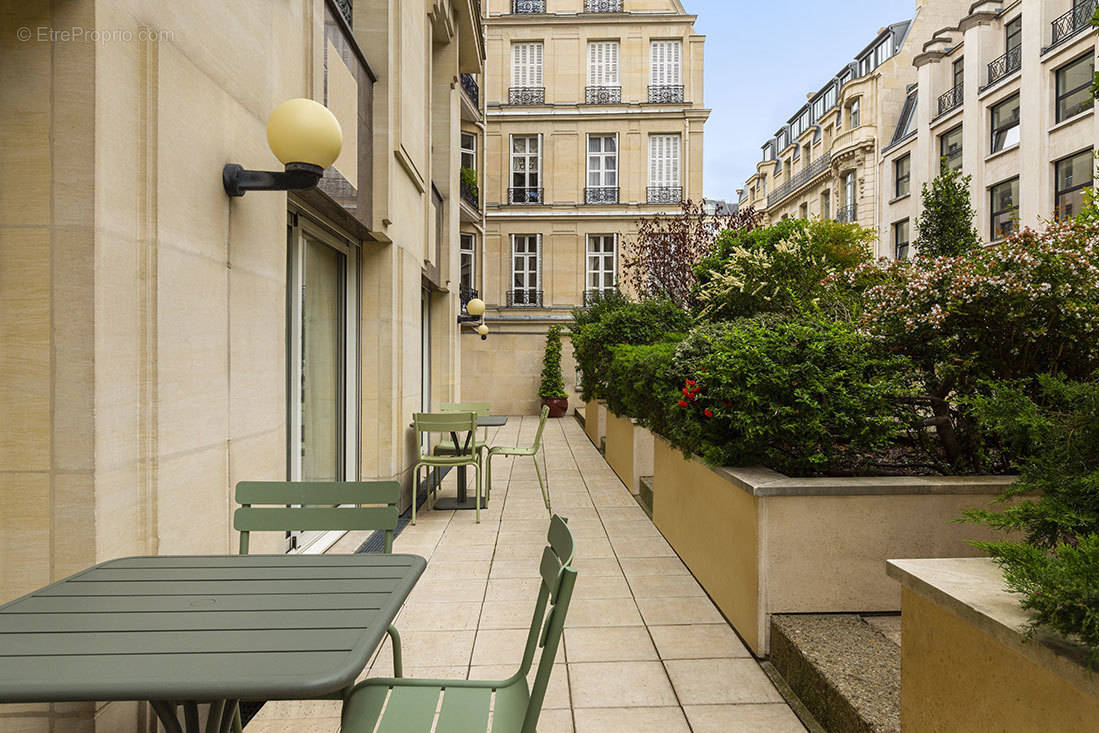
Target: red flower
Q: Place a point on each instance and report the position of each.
(708, 412)
(727, 403)
(686, 391)
(690, 383)
(682, 403)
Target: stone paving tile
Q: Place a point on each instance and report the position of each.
(644, 649)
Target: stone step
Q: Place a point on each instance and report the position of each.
(845, 668)
(645, 497)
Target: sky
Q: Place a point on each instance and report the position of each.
(762, 58)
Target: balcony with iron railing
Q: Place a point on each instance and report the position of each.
(528, 6)
(848, 214)
(469, 85)
(591, 296)
(949, 100)
(470, 194)
(815, 169)
(464, 296)
(525, 195)
(524, 298)
(601, 195)
(666, 94)
(1072, 22)
(664, 194)
(1004, 65)
(345, 9)
(602, 6)
(602, 95)
(526, 95)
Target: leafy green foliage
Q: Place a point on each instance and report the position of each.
(780, 269)
(945, 228)
(802, 397)
(469, 180)
(1025, 307)
(642, 382)
(553, 383)
(620, 322)
(1052, 427)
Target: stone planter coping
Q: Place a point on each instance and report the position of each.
(765, 482)
(973, 589)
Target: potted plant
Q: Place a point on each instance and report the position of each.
(552, 390)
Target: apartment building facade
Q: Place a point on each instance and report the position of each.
(594, 118)
(161, 340)
(823, 160)
(1003, 94)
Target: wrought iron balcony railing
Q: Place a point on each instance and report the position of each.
(1004, 65)
(601, 195)
(528, 6)
(471, 194)
(524, 298)
(816, 168)
(345, 9)
(525, 195)
(526, 95)
(590, 296)
(602, 6)
(666, 93)
(469, 84)
(848, 214)
(950, 100)
(664, 194)
(1073, 21)
(602, 95)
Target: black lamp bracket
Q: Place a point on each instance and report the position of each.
(297, 176)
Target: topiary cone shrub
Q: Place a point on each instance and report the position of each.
(552, 390)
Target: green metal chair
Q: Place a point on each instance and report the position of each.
(409, 705)
(447, 423)
(318, 507)
(532, 451)
(483, 409)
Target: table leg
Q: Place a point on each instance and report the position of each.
(213, 721)
(166, 711)
(231, 716)
(190, 715)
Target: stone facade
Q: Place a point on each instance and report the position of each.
(1005, 50)
(145, 367)
(823, 161)
(562, 72)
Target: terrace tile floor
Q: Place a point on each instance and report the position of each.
(644, 648)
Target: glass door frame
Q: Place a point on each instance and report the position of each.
(302, 225)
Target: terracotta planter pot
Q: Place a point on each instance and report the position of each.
(558, 405)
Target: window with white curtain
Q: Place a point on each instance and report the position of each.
(526, 276)
(601, 275)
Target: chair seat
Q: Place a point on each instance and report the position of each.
(446, 446)
(507, 450)
(466, 706)
(448, 460)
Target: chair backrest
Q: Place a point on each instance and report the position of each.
(554, 594)
(483, 409)
(444, 422)
(541, 427)
(319, 507)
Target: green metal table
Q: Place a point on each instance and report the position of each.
(184, 631)
(464, 501)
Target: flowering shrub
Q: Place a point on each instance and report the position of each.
(1027, 306)
(778, 269)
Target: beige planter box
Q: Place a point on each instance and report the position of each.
(764, 543)
(964, 662)
(629, 450)
(595, 420)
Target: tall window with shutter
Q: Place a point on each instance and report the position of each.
(604, 86)
(527, 85)
(665, 71)
(664, 181)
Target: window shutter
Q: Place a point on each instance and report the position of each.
(526, 65)
(603, 64)
(665, 63)
(536, 62)
(673, 74)
(518, 65)
(672, 171)
(658, 63)
(538, 271)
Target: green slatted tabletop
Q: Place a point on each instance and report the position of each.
(203, 629)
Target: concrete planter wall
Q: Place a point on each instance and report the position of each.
(763, 543)
(966, 666)
(595, 420)
(629, 450)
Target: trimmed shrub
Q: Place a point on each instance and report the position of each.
(641, 382)
(622, 322)
(801, 397)
(553, 383)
